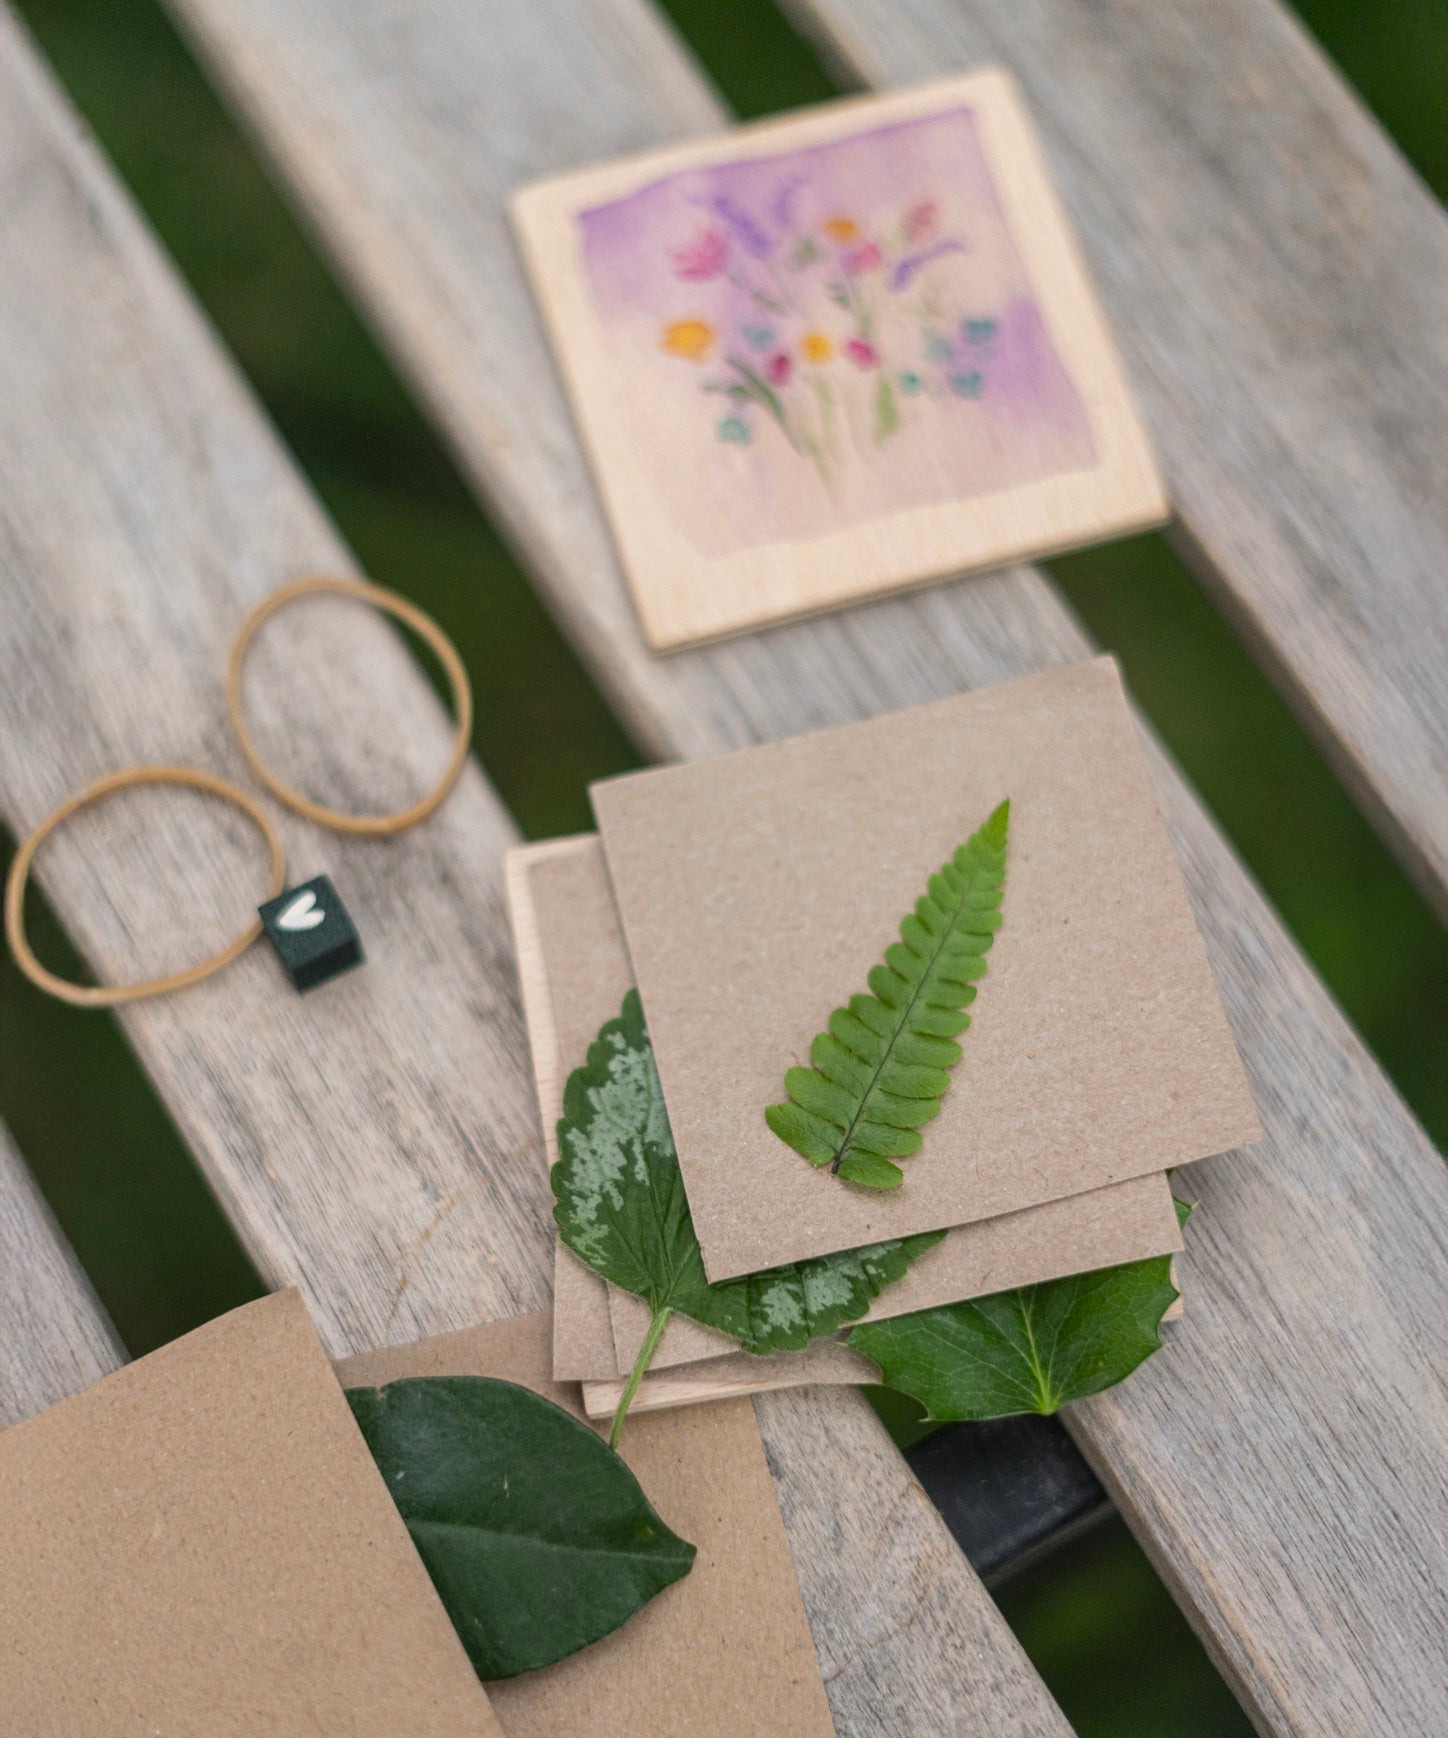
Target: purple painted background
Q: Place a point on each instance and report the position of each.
(811, 340)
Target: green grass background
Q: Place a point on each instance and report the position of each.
(1093, 1616)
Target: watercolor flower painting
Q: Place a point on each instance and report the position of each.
(838, 332)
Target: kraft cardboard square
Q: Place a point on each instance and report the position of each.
(201, 1545)
(583, 1334)
(724, 1652)
(584, 1341)
(834, 354)
(755, 892)
(576, 971)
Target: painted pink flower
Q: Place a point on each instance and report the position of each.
(863, 259)
(778, 369)
(860, 353)
(703, 258)
(920, 221)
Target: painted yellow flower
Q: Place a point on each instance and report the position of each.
(841, 228)
(691, 339)
(815, 347)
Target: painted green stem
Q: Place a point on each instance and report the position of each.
(764, 394)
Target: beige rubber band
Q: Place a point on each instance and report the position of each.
(426, 629)
(105, 996)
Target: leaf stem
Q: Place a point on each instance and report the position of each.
(657, 1325)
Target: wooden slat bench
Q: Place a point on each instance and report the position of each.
(1283, 1474)
(378, 1146)
(54, 1336)
(1274, 268)
(1276, 273)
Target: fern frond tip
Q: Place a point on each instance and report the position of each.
(871, 1171)
(882, 1067)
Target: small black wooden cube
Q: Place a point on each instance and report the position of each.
(312, 933)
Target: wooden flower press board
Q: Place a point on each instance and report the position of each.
(834, 354)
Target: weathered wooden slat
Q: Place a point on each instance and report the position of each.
(1275, 270)
(1283, 1462)
(54, 1336)
(377, 1142)
(1278, 277)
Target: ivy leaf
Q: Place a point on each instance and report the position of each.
(536, 1535)
(882, 1067)
(622, 1209)
(1029, 1350)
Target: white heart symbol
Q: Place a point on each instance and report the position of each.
(300, 914)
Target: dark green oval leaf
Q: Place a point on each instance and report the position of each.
(536, 1535)
(1029, 1350)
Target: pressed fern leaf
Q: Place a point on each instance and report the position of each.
(622, 1209)
(882, 1067)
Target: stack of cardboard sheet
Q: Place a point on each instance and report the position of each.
(748, 896)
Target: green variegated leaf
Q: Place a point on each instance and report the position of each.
(621, 1208)
(1029, 1350)
(880, 1070)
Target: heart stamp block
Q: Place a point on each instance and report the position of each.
(313, 934)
